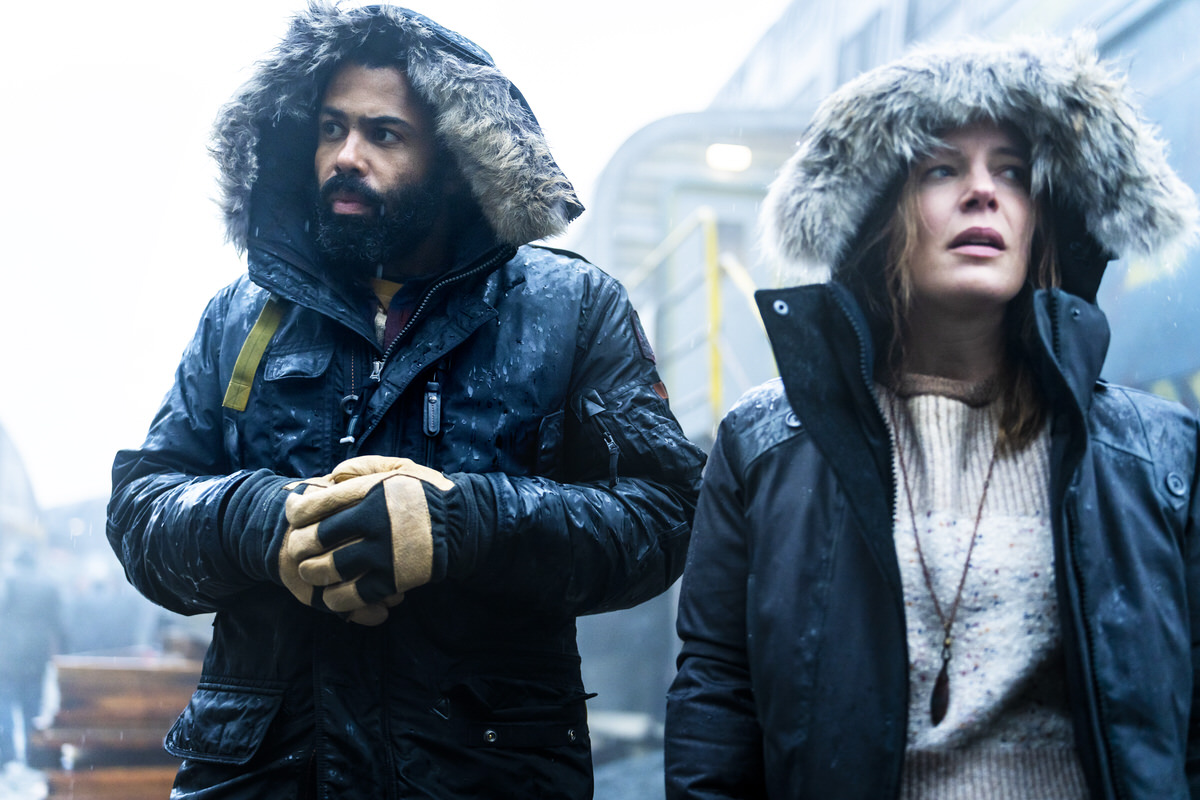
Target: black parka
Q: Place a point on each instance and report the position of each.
(524, 376)
(793, 678)
(548, 402)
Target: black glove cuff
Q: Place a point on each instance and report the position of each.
(253, 524)
(463, 518)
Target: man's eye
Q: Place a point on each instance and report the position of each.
(330, 129)
(386, 136)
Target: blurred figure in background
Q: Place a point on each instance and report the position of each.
(30, 633)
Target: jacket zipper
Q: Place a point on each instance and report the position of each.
(364, 394)
(614, 455)
(1069, 513)
(865, 372)
(1055, 337)
(1102, 743)
(390, 783)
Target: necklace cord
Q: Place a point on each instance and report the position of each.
(942, 686)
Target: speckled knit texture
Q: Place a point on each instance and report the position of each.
(1007, 733)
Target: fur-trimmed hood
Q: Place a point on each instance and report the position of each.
(1091, 150)
(263, 137)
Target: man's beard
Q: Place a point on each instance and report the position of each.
(362, 247)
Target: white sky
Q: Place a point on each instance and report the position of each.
(111, 242)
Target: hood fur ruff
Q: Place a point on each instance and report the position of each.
(1091, 150)
(483, 119)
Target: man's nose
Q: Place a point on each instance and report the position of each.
(350, 156)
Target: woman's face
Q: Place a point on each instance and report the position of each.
(975, 225)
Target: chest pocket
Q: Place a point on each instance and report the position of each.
(289, 418)
(296, 363)
(305, 364)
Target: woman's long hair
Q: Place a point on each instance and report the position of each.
(878, 272)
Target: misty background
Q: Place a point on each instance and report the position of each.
(113, 244)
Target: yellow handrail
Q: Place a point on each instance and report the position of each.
(704, 219)
(712, 276)
(656, 257)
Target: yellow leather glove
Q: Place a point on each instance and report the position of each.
(361, 536)
(289, 568)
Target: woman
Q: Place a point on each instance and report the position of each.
(939, 558)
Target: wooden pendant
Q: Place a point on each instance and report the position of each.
(941, 695)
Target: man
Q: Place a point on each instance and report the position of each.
(406, 450)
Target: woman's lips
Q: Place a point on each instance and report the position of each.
(983, 242)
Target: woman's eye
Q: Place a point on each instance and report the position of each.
(1016, 173)
(938, 171)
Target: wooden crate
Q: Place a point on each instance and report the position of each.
(106, 739)
(111, 783)
(123, 691)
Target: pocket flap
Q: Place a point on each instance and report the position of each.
(223, 725)
(304, 364)
(542, 734)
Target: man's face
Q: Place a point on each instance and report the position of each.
(380, 191)
(372, 126)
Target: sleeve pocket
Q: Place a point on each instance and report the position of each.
(223, 725)
(549, 452)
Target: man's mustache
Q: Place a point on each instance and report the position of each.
(355, 185)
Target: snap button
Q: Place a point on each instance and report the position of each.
(791, 420)
(570, 734)
(490, 736)
(1075, 313)
(1176, 485)
(781, 308)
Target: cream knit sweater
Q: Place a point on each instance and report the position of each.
(1007, 732)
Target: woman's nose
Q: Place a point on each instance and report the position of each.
(981, 189)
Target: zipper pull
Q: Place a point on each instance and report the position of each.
(614, 453)
(353, 406)
(433, 408)
(351, 430)
(360, 403)
(350, 405)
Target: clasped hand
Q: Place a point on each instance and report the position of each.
(360, 537)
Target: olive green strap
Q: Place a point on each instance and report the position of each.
(237, 394)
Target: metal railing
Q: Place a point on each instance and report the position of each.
(703, 222)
